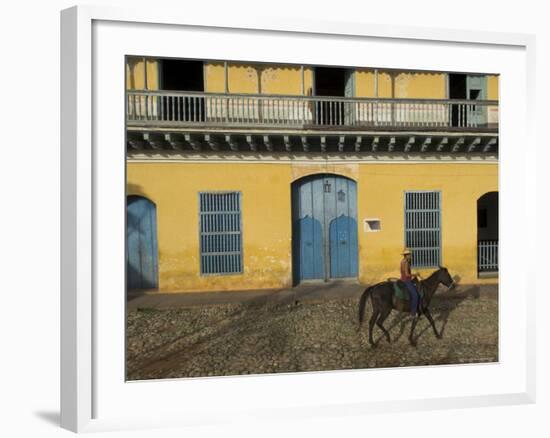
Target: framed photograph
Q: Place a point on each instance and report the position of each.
(274, 219)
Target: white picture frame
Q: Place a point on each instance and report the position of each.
(87, 403)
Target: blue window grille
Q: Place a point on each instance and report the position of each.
(220, 233)
(423, 227)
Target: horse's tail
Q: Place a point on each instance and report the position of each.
(363, 303)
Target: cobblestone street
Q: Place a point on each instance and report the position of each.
(290, 335)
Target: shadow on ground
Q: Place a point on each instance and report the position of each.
(256, 315)
(442, 306)
(295, 330)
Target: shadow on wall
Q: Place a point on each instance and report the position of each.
(136, 189)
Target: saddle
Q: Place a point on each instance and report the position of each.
(401, 292)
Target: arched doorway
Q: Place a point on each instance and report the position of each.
(141, 243)
(324, 228)
(487, 233)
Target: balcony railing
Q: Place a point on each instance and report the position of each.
(487, 256)
(277, 111)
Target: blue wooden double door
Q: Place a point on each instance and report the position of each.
(141, 243)
(324, 228)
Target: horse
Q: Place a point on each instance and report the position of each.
(383, 302)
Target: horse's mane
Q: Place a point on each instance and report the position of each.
(435, 272)
(432, 276)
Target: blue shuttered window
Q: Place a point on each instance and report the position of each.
(220, 233)
(423, 227)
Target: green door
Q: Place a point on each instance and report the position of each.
(476, 89)
(349, 91)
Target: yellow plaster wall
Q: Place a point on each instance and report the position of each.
(364, 83)
(420, 85)
(266, 216)
(381, 195)
(284, 80)
(174, 188)
(214, 77)
(244, 77)
(411, 85)
(492, 87)
(385, 84)
(135, 74)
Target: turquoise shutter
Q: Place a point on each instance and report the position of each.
(423, 227)
(220, 233)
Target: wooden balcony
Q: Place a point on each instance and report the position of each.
(210, 110)
(190, 121)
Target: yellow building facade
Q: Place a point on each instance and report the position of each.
(433, 148)
(287, 80)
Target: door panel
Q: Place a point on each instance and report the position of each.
(308, 248)
(476, 89)
(343, 247)
(343, 230)
(310, 235)
(324, 228)
(142, 247)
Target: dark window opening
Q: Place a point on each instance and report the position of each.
(457, 86)
(487, 232)
(487, 216)
(482, 218)
(182, 75)
(330, 81)
(457, 90)
(474, 94)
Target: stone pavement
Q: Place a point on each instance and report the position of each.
(307, 328)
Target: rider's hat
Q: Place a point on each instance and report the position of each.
(406, 251)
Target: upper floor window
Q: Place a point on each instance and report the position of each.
(181, 75)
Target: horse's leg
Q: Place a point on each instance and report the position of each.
(413, 325)
(429, 316)
(372, 321)
(383, 315)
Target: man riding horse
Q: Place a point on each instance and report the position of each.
(407, 278)
(383, 298)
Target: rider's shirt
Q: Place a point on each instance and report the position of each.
(405, 270)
